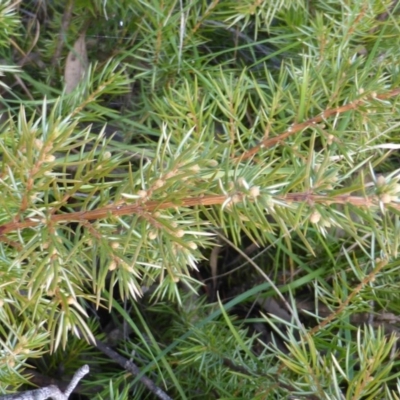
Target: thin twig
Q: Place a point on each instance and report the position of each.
(295, 128)
(66, 20)
(182, 32)
(132, 368)
(369, 278)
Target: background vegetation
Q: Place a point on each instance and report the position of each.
(200, 199)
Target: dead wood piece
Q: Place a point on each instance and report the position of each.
(49, 392)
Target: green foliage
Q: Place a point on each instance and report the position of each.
(196, 125)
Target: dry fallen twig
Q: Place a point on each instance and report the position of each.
(50, 392)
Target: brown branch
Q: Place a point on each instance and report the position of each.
(115, 210)
(209, 9)
(369, 278)
(270, 142)
(340, 199)
(110, 211)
